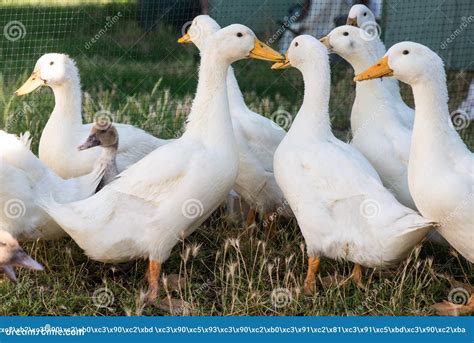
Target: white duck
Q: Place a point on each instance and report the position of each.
(169, 193)
(12, 255)
(257, 138)
(361, 16)
(342, 208)
(441, 167)
(24, 178)
(378, 130)
(64, 130)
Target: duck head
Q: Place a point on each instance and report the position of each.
(236, 42)
(304, 50)
(200, 29)
(350, 43)
(359, 15)
(104, 135)
(12, 255)
(50, 70)
(409, 62)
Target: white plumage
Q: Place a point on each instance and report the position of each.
(342, 208)
(257, 137)
(441, 167)
(64, 131)
(24, 179)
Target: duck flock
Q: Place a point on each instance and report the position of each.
(138, 196)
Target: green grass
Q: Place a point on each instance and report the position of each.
(226, 270)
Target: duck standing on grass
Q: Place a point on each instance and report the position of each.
(339, 201)
(106, 136)
(257, 138)
(441, 167)
(64, 130)
(12, 255)
(164, 197)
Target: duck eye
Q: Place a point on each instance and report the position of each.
(51, 63)
(239, 34)
(296, 44)
(2, 244)
(406, 52)
(365, 14)
(345, 33)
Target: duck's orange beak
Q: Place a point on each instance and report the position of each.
(262, 51)
(185, 39)
(283, 64)
(380, 69)
(33, 82)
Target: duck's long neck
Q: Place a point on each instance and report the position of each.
(431, 104)
(210, 117)
(67, 108)
(236, 99)
(107, 161)
(431, 108)
(313, 116)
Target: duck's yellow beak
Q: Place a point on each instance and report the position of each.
(283, 64)
(325, 41)
(380, 69)
(261, 51)
(351, 21)
(33, 82)
(185, 39)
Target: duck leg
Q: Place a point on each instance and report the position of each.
(356, 275)
(310, 281)
(270, 224)
(153, 275)
(447, 308)
(251, 217)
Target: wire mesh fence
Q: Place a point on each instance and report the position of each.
(131, 65)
